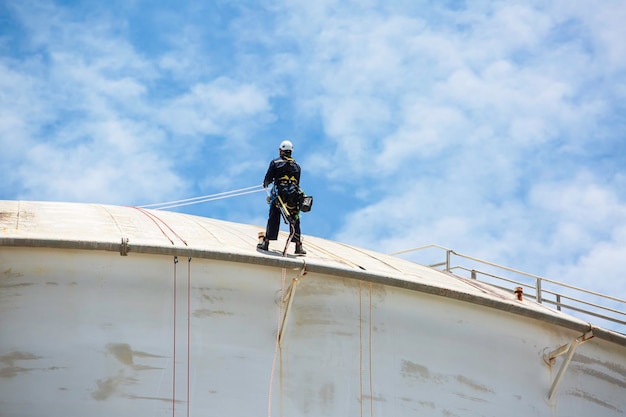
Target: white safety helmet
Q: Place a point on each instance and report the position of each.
(286, 146)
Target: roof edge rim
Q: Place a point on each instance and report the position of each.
(298, 263)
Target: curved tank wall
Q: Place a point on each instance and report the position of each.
(191, 328)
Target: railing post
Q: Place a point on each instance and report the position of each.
(473, 274)
(539, 298)
(558, 302)
(448, 252)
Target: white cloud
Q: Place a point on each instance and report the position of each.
(90, 114)
(215, 108)
(501, 72)
(601, 266)
(101, 162)
(97, 153)
(582, 208)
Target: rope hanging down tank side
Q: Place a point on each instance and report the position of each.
(370, 349)
(174, 344)
(188, 335)
(276, 346)
(188, 331)
(360, 350)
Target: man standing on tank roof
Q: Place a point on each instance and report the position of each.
(284, 172)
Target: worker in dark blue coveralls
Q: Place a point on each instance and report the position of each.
(284, 172)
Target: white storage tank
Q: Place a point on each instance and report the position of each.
(121, 311)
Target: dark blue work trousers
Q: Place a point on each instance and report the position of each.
(273, 225)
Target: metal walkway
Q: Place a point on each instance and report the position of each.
(584, 304)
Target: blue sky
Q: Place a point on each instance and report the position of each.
(495, 128)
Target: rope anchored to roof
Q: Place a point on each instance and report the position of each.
(204, 198)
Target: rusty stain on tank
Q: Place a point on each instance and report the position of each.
(9, 358)
(209, 295)
(413, 369)
(472, 384)
(588, 397)
(8, 273)
(327, 394)
(107, 387)
(124, 354)
(470, 398)
(11, 369)
(614, 367)
(163, 399)
(24, 284)
(205, 312)
(600, 375)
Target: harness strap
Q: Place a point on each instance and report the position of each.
(286, 179)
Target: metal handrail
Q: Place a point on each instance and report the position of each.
(559, 295)
(537, 287)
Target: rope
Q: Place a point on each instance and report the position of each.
(188, 329)
(154, 221)
(370, 348)
(280, 317)
(174, 355)
(204, 198)
(152, 217)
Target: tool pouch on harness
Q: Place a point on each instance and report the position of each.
(306, 203)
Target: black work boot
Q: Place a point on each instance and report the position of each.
(264, 246)
(299, 249)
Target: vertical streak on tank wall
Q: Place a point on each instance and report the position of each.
(366, 326)
(91, 333)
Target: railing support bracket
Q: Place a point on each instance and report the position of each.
(124, 247)
(569, 350)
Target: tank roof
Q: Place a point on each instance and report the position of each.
(130, 230)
